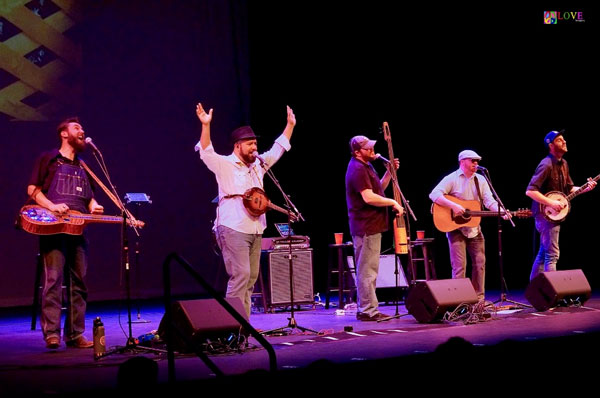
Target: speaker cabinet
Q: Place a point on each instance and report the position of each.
(276, 277)
(550, 289)
(428, 301)
(199, 320)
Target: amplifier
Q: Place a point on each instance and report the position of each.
(297, 242)
(275, 268)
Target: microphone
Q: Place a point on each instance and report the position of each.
(481, 168)
(256, 155)
(378, 156)
(88, 141)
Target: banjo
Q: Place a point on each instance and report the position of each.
(559, 216)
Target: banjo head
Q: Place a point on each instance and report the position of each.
(553, 215)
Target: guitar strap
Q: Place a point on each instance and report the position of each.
(108, 193)
(478, 191)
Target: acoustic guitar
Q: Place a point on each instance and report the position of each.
(38, 220)
(559, 216)
(445, 220)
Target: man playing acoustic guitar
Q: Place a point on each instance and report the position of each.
(551, 176)
(238, 228)
(465, 184)
(60, 183)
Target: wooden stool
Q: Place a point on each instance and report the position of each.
(338, 264)
(426, 257)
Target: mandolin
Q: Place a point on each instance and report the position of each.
(38, 220)
(257, 203)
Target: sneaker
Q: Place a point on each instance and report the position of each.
(52, 343)
(80, 342)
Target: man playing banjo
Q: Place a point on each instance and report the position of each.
(240, 177)
(549, 188)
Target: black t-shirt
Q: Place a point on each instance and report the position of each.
(364, 219)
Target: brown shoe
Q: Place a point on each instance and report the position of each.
(80, 342)
(362, 316)
(52, 343)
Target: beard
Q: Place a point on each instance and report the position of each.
(77, 144)
(248, 158)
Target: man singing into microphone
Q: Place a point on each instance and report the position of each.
(367, 216)
(465, 184)
(238, 232)
(60, 183)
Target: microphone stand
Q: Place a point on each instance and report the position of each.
(132, 343)
(407, 210)
(501, 211)
(292, 324)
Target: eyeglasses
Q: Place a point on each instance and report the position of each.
(474, 160)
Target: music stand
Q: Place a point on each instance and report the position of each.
(501, 211)
(131, 344)
(138, 199)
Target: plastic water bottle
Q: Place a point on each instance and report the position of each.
(99, 338)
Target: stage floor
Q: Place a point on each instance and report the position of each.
(524, 340)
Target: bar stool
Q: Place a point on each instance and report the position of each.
(426, 257)
(338, 264)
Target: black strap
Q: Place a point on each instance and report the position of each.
(478, 191)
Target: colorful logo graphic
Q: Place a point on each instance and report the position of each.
(552, 17)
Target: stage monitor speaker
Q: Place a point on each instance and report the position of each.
(278, 274)
(428, 301)
(553, 288)
(199, 320)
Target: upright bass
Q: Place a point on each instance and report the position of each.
(400, 237)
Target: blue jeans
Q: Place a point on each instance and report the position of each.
(241, 255)
(549, 252)
(459, 245)
(63, 254)
(366, 251)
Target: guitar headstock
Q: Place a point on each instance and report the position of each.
(523, 213)
(135, 223)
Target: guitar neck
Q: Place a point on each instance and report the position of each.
(484, 213)
(99, 218)
(279, 209)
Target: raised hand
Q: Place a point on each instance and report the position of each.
(291, 118)
(205, 118)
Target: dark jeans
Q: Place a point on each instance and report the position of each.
(63, 254)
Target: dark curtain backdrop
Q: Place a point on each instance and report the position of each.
(146, 65)
(445, 79)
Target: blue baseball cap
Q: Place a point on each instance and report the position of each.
(551, 136)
